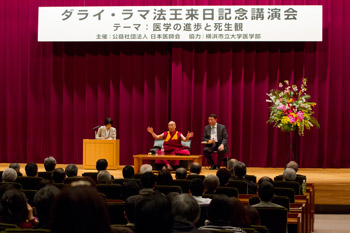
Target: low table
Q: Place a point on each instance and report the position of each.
(138, 159)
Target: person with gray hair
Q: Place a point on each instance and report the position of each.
(289, 174)
(9, 175)
(71, 170)
(186, 211)
(104, 177)
(17, 168)
(145, 168)
(231, 166)
(211, 183)
(294, 165)
(50, 164)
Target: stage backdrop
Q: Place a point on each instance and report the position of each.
(53, 94)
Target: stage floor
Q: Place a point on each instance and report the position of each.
(332, 186)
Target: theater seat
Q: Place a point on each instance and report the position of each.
(191, 177)
(183, 183)
(241, 185)
(166, 189)
(4, 226)
(93, 175)
(260, 229)
(30, 182)
(275, 219)
(19, 230)
(289, 184)
(30, 195)
(228, 191)
(112, 191)
(45, 175)
(15, 184)
(116, 212)
(286, 192)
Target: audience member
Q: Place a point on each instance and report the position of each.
(181, 173)
(128, 172)
(186, 211)
(148, 182)
(211, 183)
(104, 177)
(153, 214)
(71, 170)
(9, 175)
(129, 212)
(129, 188)
(43, 201)
(265, 178)
(164, 177)
(240, 172)
(14, 209)
(266, 191)
(50, 164)
(220, 214)
(101, 165)
(195, 168)
(252, 215)
(31, 169)
(17, 167)
(239, 217)
(197, 191)
(5, 187)
(145, 168)
(224, 176)
(79, 209)
(231, 166)
(58, 175)
(289, 174)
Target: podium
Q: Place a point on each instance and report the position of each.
(94, 150)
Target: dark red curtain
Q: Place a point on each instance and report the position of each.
(52, 94)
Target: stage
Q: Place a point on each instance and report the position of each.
(332, 186)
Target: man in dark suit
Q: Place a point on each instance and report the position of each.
(216, 136)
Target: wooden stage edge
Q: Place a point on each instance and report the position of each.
(332, 185)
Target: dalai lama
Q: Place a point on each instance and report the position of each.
(172, 143)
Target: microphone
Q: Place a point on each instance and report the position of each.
(96, 127)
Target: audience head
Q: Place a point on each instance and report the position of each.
(252, 215)
(108, 123)
(224, 176)
(43, 201)
(9, 175)
(289, 174)
(231, 166)
(196, 187)
(220, 210)
(129, 208)
(5, 187)
(195, 168)
(185, 208)
(265, 178)
(164, 177)
(148, 180)
(211, 182)
(239, 217)
(128, 172)
(58, 175)
(15, 166)
(79, 209)
(266, 191)
(31, 169)
(71, 170)
(50, 164)
(104, 177)
(240, 169)
(172, 195)
(294, 165)
(153, 214)
(129, 188)
(181, 173)
(101, 165)
(145, 168)
(13, 207)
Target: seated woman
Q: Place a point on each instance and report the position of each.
(107, 132)
(172, 143)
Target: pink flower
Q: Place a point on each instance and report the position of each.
(282, 107)
(300, 115)
(291, 118)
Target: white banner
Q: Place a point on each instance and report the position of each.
(181, 23)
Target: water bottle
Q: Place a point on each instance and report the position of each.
(304, 186)
(162, 150)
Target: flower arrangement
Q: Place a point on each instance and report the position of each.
(290, 108)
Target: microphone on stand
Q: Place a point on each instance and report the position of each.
(96, 127)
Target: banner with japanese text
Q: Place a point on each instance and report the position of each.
(181, 23)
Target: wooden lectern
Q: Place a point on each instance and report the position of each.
(94, 150)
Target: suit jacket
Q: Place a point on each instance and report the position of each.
(102, 133)
(221, 134)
